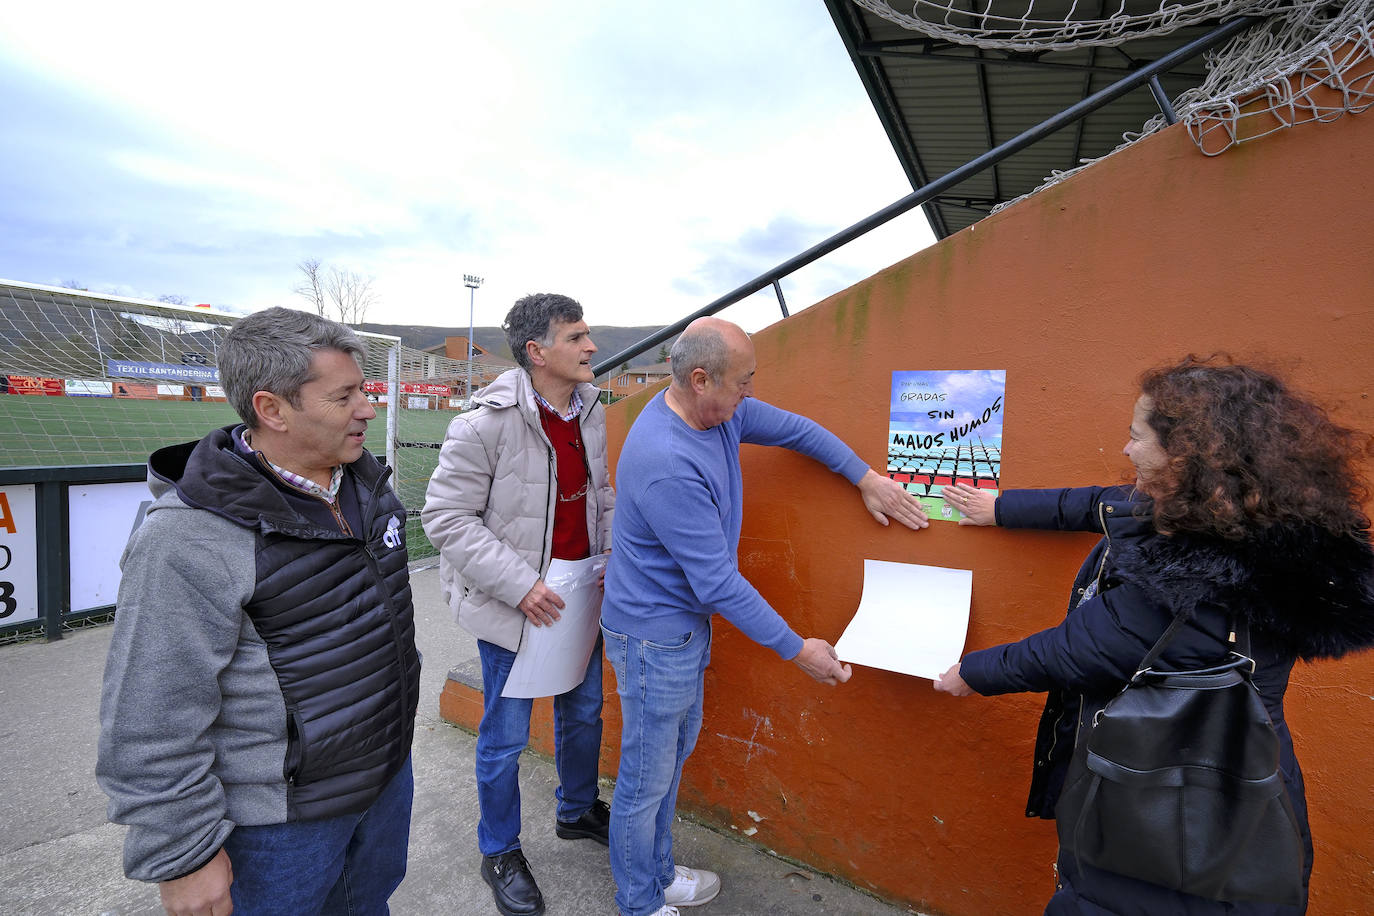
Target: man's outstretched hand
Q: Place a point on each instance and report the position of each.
(818, 659)
(885, 498)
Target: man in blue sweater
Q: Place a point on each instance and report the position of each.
(674, 563)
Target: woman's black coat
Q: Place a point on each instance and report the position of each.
(1305, 593)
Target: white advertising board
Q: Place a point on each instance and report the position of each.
(175, 391)
(100, 517)
(88, 388)
(18, 554)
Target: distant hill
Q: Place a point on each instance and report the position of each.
(609, 340)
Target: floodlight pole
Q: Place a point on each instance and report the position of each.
(471, 282)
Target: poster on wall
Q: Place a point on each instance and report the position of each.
(18, 555)
(945, 427)
(101, 517)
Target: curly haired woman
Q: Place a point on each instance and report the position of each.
(1247, 500)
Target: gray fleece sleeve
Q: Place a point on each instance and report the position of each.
(187, 575)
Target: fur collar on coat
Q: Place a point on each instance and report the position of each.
(1306, 589)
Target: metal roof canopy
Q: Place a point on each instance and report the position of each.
(944, 104)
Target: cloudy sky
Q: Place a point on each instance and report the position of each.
(644, 158)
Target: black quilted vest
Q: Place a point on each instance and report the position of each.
(335, 612)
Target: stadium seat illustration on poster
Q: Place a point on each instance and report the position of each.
(945, 427)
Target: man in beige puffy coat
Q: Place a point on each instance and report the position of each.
(522, 480)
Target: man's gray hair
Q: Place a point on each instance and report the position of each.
(271, 351)
(699, 348)
(532, 318)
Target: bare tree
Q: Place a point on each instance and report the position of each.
(350, 293)
(311, 287)
(345, 293)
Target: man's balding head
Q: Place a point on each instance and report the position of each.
(707, 344)
(713, 371)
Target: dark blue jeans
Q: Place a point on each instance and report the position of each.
(340, 866)
(505, 732)
(660, 686)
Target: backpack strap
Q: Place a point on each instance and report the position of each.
(1153, 655)
(1237, 640)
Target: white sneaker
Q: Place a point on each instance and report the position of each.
(691, 887)
(666, 911)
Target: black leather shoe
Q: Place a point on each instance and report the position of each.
(512, 884)
(594, 824)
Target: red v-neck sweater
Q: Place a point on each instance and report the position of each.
(571, 540)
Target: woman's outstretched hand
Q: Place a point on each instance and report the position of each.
(951, 683)
(976, 506)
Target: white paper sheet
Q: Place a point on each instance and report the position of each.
(553, 659)
(911, 619)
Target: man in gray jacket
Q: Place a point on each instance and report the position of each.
(522, 480)
(260, 692)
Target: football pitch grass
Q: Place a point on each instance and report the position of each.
(62, 431)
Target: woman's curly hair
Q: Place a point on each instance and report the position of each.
(1246, 452)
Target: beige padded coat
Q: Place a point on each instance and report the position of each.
(490, 503)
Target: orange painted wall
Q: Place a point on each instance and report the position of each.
(1265, 252)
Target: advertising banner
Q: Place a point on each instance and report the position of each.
(88, 388)
(141, 390)
(420, 388)
(170, 372)
(373, 386)
(37, 385)
(18, 555)
(101, 517)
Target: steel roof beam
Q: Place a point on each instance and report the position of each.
(987, 123)
(1013, 59)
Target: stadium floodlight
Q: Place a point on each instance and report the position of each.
(471, 282)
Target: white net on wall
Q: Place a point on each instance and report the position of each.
(1308, 61)
(1313, 63)
(1309, 64)
(1059, 25)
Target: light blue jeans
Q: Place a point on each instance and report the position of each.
(660, 687)
(340, 866)
(505, 731)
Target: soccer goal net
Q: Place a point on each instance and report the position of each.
(95, 379)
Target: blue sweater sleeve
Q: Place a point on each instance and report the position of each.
(673, 505)
(763, 424)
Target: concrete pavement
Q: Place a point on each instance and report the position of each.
(61, 858)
